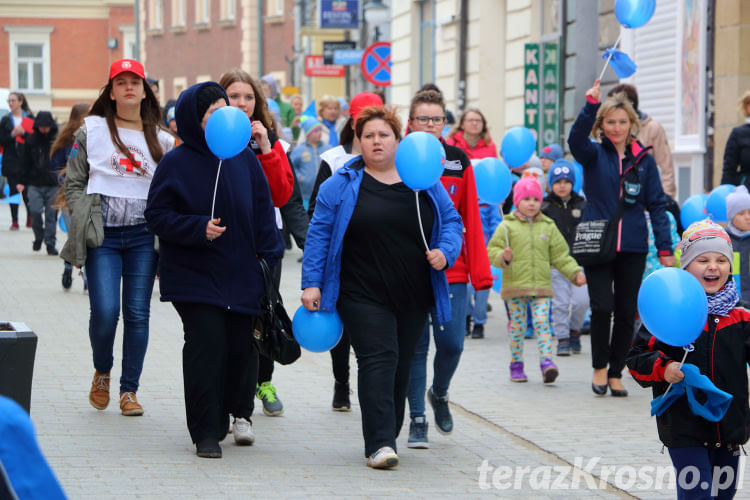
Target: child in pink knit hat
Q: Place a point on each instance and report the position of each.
(525, 245)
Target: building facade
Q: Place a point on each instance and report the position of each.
(58, 52)
(691, 57)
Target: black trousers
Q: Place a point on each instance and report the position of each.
(340, 359)
(613, 288)
(384, 342)
(219, 362)
(265, 365)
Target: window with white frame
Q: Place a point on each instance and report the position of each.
(202, 11)
(128, 41)
(29, 58)
(274, 8)
(178, 12)
(156, 11)
(228, 9)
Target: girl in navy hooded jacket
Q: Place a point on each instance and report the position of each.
(209, 270)
(605, 165)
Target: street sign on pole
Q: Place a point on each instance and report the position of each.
(338, 14)
(348, 57)
(330, 47)
(376, 64)
(314, 66)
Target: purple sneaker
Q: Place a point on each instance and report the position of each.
(516, 372)
(549, 371)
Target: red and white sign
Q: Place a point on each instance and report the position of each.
(314, 67)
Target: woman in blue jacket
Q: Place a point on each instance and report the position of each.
(209, 268)
(365, 257)
(607, 165)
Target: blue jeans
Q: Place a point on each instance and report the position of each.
(449, 343)
(477, 307)
(127, 253)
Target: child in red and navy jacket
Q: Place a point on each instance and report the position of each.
(427, 114)
(704, 453)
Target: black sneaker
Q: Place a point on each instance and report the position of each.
(468, 325)
(443, 418)
(418, 434)
(575, 341)
(51, 250)
(477, 332)
(341, 397)
(208, 448)
(67, 278)
(563, 347)
(37, 245)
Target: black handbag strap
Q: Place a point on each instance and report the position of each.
(271, 291)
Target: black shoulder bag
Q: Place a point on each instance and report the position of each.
(595, 241)
(272, 330)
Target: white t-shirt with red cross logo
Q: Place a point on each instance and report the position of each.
(110, 172)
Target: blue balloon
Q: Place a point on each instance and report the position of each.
(497, 284)
(716, 204)
(228, 131)
(673, 306)
(634, 13)
(273, 106)
(578, 184)
(61, 223)
(420, 160)
(493, 180)
(693, 210)
(317, 331)
(6, 190)
(517, 147)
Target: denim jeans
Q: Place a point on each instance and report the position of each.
(449, 344)
(41, 199)
(477, 308)
(127, 253)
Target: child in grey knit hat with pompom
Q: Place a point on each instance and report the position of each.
(738, 214)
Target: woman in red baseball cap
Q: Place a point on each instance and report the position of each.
(109, 171)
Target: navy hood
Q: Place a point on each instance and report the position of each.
(188, 121)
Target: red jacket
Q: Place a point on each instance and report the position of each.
(481, 150)
(278, 173)
(473, 262)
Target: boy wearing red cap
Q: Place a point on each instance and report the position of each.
(525, 245)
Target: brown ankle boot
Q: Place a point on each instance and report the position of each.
(99, 394)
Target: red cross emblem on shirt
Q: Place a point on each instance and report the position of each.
(125, 162)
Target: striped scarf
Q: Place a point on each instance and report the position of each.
(723, 301)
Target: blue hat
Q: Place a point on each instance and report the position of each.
(562, 169)
(552, 152)
(310, 125)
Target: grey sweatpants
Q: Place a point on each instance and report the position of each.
(569, 305)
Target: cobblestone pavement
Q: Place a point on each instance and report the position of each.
(510, 440)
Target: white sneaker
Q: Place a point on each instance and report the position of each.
(384, 458)
(242, 430)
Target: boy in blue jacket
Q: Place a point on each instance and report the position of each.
(305, 157)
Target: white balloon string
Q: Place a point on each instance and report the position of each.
(681, 363)
(419, 217)
(610, 56)
(216, 185)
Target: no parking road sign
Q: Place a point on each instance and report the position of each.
(376, 64)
